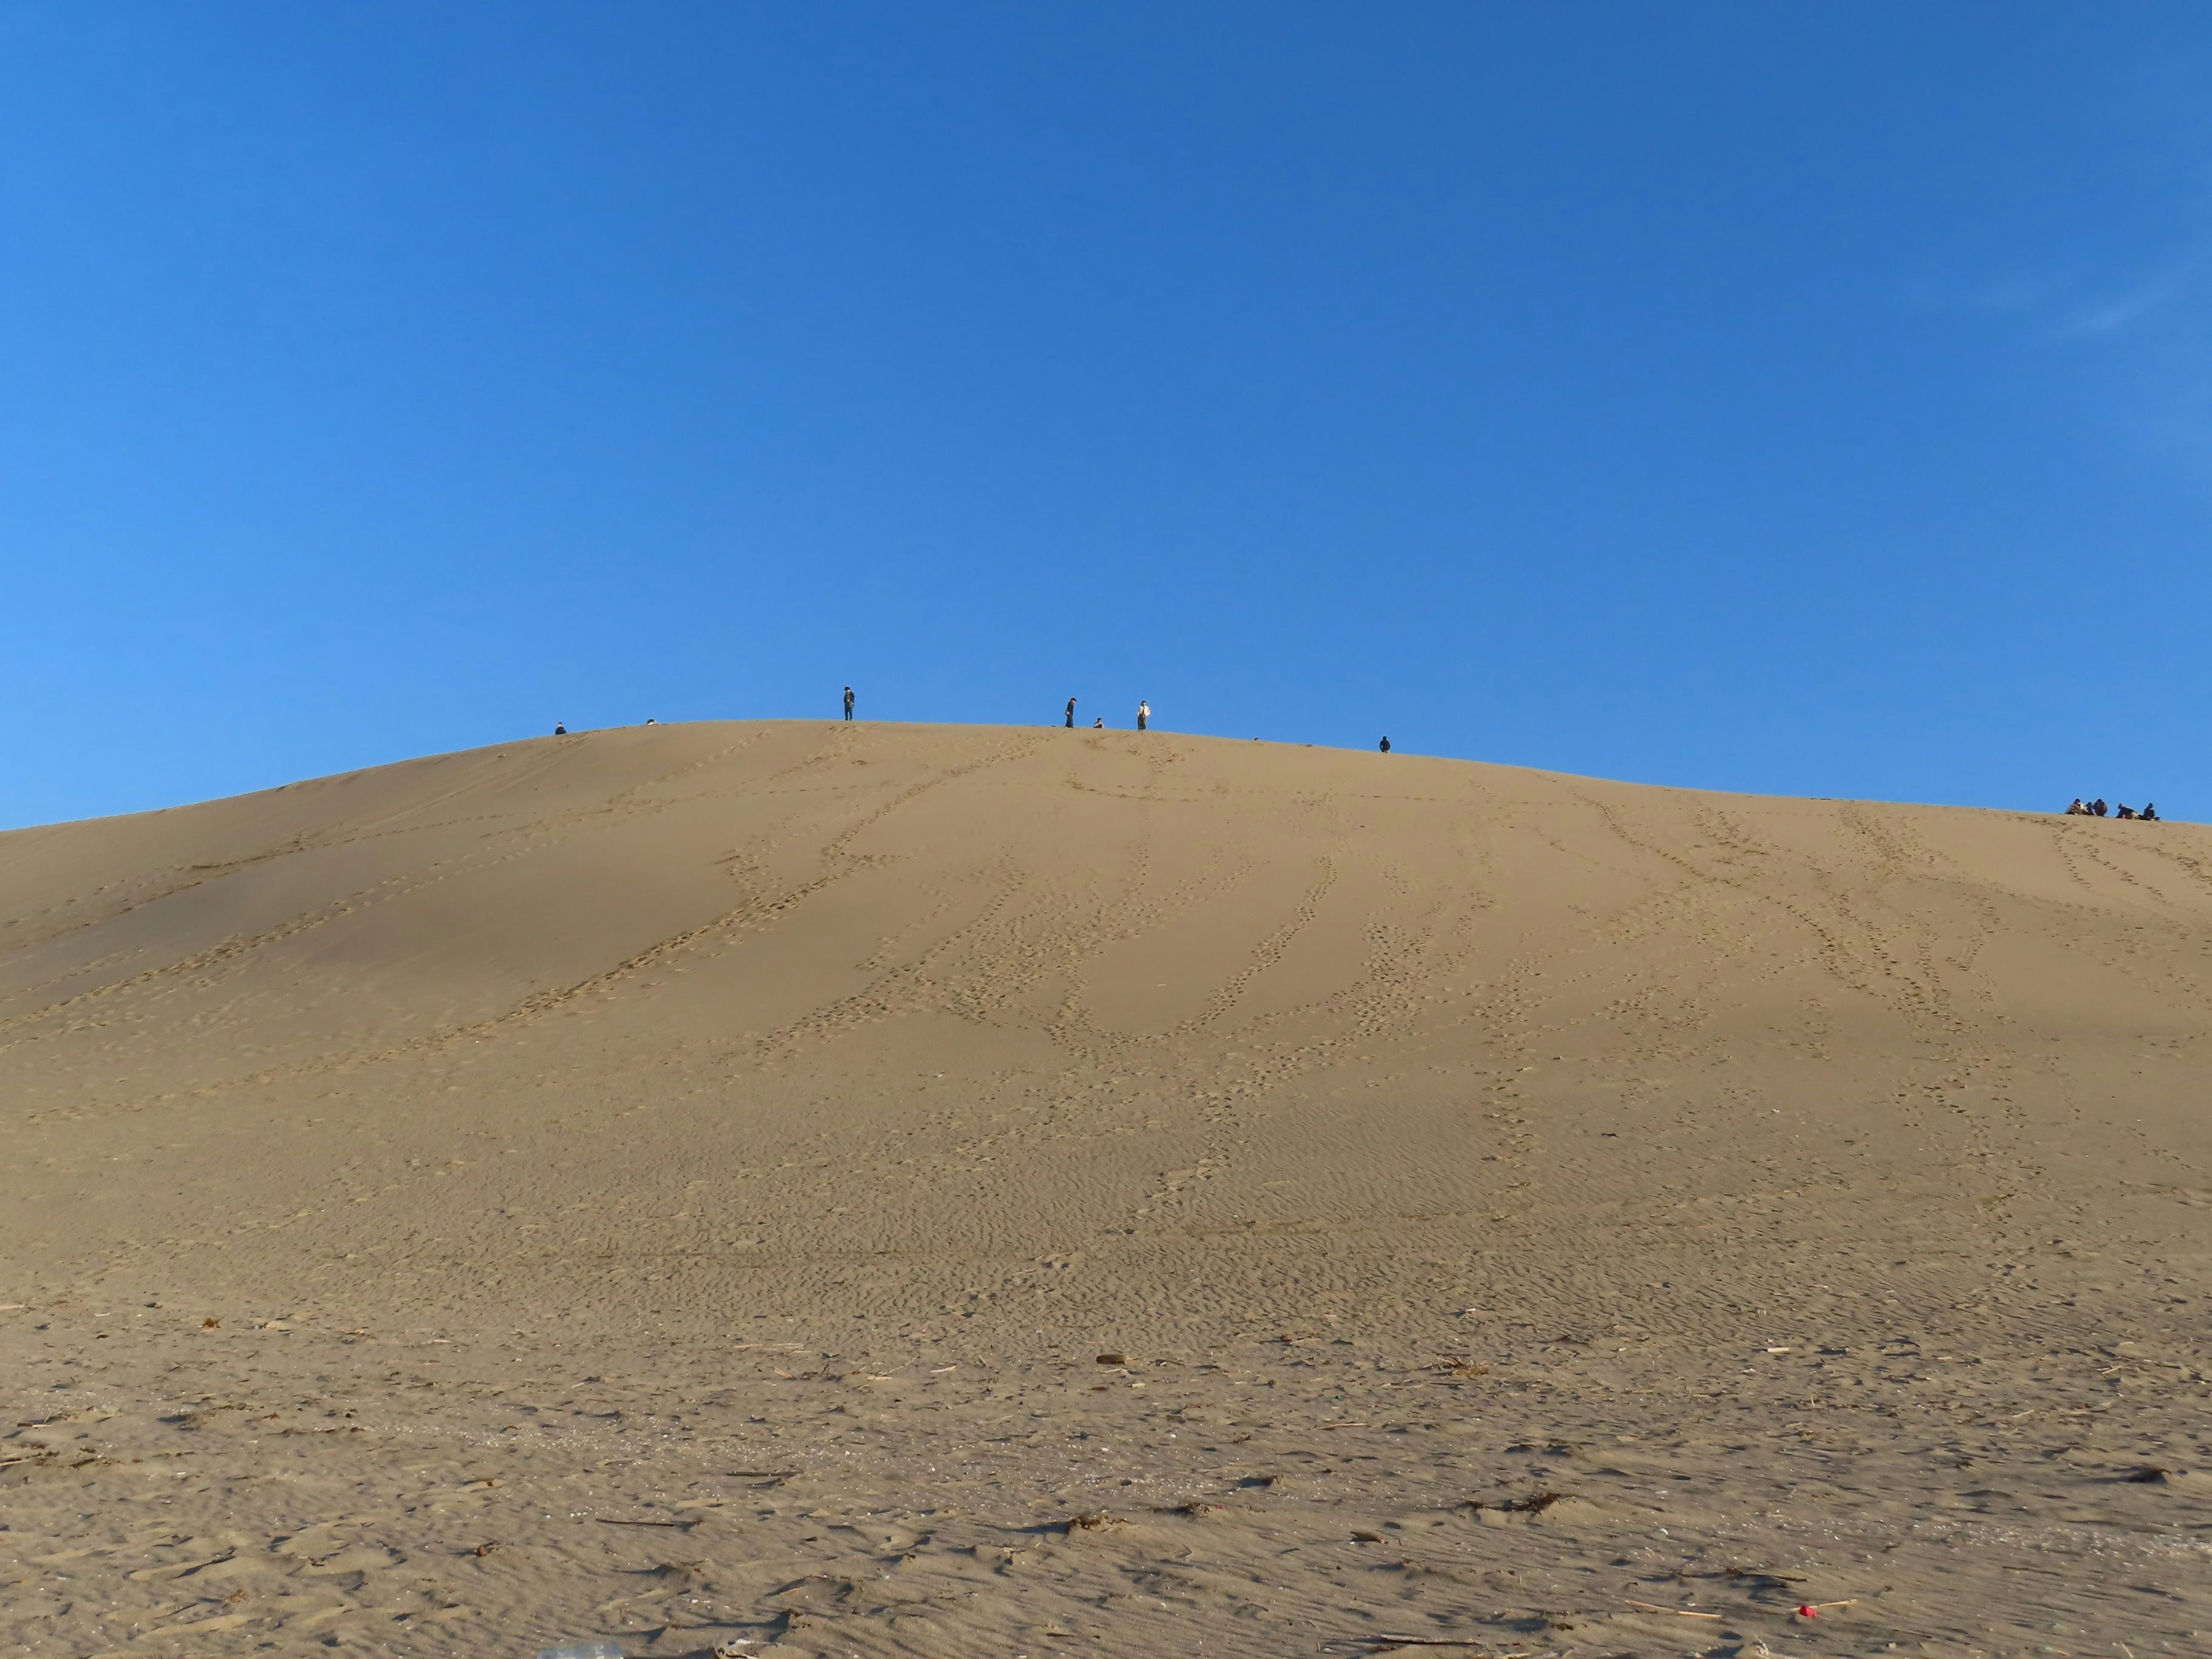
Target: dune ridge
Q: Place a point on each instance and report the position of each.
(885, 1189)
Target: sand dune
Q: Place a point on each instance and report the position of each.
(871, 1189)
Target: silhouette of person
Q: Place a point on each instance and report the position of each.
(2125, 811)
(1098, 725)
(2097, 807)
(1071, 714)
(1144, 715)
(849, 703)
(2076, 810)
(1386, 745)
(559, 730)
(2149, 814)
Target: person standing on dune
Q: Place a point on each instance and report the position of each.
(1144, 715)
(1071, 714)
(1386, 745)
(849, 703)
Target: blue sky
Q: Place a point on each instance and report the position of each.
(1805, 399)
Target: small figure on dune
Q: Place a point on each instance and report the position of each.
(1098, 725)
(2149, 814)
(2125, 811)
(2077, 811)
(2097, 807)
(559, 730)
(1071, 714)
(1144, 715)
(1386, 745)
(849, 703)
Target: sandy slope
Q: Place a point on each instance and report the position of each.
(677, 1184)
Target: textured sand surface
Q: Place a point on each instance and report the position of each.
(965, 1191)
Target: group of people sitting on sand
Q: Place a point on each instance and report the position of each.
(2096, 809)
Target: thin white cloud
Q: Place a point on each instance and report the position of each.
(2111, 315)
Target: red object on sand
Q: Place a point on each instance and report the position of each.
(1808, 1613)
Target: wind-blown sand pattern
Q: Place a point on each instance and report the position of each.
(965, 1191)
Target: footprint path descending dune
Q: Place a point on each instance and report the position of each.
(869, 1190)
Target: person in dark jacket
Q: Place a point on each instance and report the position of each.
(1071, 714)
(849, 703)
(1386, 745)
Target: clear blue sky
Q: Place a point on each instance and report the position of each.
(1799, 398)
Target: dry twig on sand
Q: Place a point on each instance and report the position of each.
(1679, 1613)
(1445, 1642)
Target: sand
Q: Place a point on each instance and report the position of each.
(869, 1189)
